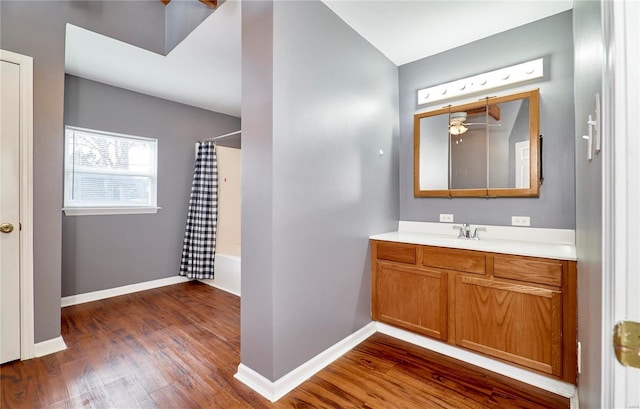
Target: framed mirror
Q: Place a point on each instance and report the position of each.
(488, 148)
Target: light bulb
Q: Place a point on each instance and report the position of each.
(457, 129)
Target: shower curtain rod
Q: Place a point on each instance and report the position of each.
(222, 136)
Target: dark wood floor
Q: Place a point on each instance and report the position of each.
(179, 347)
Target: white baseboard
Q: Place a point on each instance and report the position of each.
(227, 272)
(275, 390)
(49, 347)
(257, 382)
(575, 401)
(114, 292)
(558, 387)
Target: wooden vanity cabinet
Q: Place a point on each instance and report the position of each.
(514, 308)
(423, 291)
(424, 299)
(514, 322)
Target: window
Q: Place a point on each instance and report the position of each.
(108, 173)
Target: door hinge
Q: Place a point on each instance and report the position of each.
(626, 343)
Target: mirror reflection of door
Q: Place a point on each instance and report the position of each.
(522, 164)
(519, 131)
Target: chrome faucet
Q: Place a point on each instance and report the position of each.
(475, 235)
(464, 231)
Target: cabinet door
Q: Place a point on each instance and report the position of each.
(518, 323)
(412, 298)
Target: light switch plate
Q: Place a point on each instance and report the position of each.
(520, 221)
(446, 218)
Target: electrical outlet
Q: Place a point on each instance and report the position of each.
(520, 221)
(446, 218)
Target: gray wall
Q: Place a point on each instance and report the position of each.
(257, 157)
(37, 29)
(550, 38)
(332, 102)
(182, 16)
(100, 252)
(469, 160)
(588, 82)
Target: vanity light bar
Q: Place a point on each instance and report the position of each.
(489, 80)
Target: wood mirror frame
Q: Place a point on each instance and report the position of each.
(486, 106)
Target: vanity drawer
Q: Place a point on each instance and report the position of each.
(402, 253)
(460, 260)
(532, 270)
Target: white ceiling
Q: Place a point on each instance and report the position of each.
(204, 70)
(407, 31)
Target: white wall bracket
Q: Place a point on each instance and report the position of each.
(594, 143)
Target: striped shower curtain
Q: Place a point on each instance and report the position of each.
(199, 245)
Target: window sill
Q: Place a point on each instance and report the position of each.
(99, 211)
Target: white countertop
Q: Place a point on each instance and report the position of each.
(523, 241)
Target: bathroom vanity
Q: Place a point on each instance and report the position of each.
(510, 299)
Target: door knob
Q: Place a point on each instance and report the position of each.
(626, 343)
(6, 227)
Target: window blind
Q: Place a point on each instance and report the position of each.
(104, 169)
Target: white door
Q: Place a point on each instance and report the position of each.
(522, 164)
(10, 212)
(626, 186)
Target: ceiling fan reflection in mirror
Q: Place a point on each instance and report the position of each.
(458, 124)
